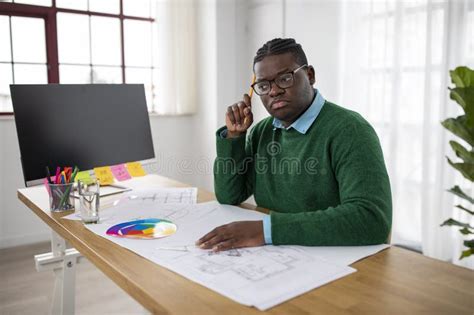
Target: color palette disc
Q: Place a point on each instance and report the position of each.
(143, 229)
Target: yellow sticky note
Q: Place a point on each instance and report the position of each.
(104, 175)
(135, 169)
(84, 176)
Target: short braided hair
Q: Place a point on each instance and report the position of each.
(278, 46)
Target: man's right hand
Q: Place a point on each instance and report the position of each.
(239, 117)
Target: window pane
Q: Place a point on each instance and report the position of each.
(437, 35)
(107, 6)
(137, 43)
(379, 36)
(30, 74)
(414, 3)
(412, 96)
(28, 40)
(379, 100)
(470, 38)
(5, 52)
(5, 81)
(436, 95)
(105, 36)
(35, 2)
(106, 75)
(136, 8)
(73, 38)
(155, 90)
(143, 76)
(154, 43)
(379, 6)
(414, 39)
(74, 74)
(72, 4)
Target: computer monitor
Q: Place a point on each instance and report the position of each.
(83, 125)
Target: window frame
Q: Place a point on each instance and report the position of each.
(49, 15)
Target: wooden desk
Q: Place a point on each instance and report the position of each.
(394, 281)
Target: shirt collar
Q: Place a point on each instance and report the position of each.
(305, 121)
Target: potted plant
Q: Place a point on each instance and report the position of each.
(463, 127)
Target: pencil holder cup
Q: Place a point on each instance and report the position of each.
(60, 197)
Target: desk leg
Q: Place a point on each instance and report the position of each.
(64, 288)
(64, 284)
(63, 263)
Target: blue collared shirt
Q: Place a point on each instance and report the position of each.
(302, 124)
(305, 121)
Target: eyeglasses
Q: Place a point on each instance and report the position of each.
(283, 81)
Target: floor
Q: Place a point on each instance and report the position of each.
(23, 290)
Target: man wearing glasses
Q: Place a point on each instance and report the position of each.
(318, 167)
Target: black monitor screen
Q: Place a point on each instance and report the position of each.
(86, 126)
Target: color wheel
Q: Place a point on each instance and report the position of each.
(143, 229)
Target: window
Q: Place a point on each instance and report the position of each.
(77, 41)
(19, 36)
(403, 70)
(396, 63)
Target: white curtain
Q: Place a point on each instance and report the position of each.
(396, 57)
(176, 28)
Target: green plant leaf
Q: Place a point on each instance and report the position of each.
(465, 98)
(465, 231)
(466, 169)
(467, 253)
(462, 77)
(455, 96)
(456, 190)
(452, 222)
(462, 152)
(464, 209)
(460, 128)
(470, 245)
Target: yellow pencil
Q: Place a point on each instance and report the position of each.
(251, 89)
(250, 94)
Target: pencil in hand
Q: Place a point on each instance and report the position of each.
(250, 94)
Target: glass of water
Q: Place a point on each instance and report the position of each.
(89, 200)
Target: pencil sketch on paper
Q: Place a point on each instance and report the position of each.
(252, 264)
(162, 196)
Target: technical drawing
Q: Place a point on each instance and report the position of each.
(252, 264)
(163, 196)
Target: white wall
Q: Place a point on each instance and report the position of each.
(206, 118)
(229, 33)
(18, 225)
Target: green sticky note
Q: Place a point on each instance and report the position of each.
(84, 176)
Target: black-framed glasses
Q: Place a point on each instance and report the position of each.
(283, 81)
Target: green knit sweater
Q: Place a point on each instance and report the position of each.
(328, 187)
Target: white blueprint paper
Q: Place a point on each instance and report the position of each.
(262, 277)
(186, 195)
(140, 198)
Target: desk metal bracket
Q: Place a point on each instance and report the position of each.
(62, 261)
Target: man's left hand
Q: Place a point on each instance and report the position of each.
(233, 235)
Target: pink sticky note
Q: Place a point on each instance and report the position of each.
(120, 172)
